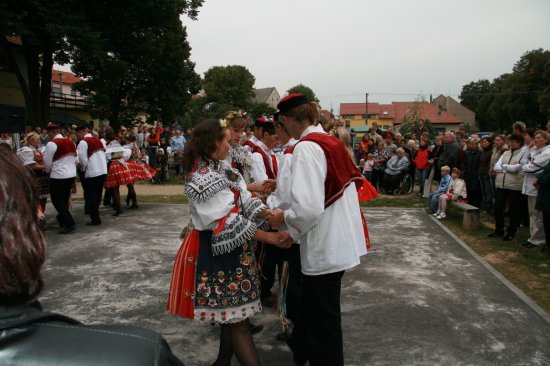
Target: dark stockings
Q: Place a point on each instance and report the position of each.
(236, 338)
(132, 196)
(116, 201)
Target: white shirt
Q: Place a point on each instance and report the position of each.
(96, 164)
(63, 168)
(282, 198)
(538, 159)
(331, 240)
(259, 172)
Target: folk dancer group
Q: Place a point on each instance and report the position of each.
(240, 196)
(55, 169)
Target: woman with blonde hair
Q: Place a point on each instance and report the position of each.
(32, 156)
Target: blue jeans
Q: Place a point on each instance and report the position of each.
(433, 201)
(422, 175)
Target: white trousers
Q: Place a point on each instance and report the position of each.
(536, 228)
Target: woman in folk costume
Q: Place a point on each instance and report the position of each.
(138, 169)
(119, 173)
(240, 158)
(215, 276)
(32, 156)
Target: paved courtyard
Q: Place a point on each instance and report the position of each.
(420, 297)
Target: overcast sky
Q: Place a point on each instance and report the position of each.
(396, 50)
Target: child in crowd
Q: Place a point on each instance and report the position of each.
(162, 167)
(433, 198)
(456, 192)
(144, 157)
(368, 167)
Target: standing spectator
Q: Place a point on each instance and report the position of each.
(509, 182)
(178, 144)
(419, 128)
(518, 128)
(486, 188)
(433, 159)
(543, 203)
(6, 138)
(153, 141)
(390, 146)
(539, 157)
(422, 165)
(499, 147)
(472, 156)
(141, 136)
(60, 163)
(450, 151)
(368, 167)
(32, 156)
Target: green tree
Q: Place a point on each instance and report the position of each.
(139, 62)
(477, 96)
(229, 85)
(302, 89)
(257, 110)
(45, 30)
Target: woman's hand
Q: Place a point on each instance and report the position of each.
(276, 218)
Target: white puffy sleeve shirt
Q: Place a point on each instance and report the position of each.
(331, 240)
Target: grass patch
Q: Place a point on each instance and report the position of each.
(409, 201)
(528, 269)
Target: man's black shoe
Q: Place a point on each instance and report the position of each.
(508, 237)
(93, 223)
(495, 235)
(67, 230)
(255, 328)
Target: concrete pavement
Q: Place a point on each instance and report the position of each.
(419, 297)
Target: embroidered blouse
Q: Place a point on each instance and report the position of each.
(219, 201)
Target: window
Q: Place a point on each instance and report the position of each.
(56, 91)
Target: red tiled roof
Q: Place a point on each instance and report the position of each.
(398, 111)
(66, 77)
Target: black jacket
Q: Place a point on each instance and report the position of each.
(29, 336)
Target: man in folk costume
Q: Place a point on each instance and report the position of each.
(265, 167)
(92, 161)
(60, 162)
(255, 138)
(290, 272)
(325, 216)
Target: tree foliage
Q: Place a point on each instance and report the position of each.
(231, 85)
(523, 94)
(133, 55)
(302, 89)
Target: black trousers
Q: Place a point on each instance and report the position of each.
(515, 201)
(294, 286)
(60, 194)
(93, 189)
(272, 257)
(317, 337)
(546, 225)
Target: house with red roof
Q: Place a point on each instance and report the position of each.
(396, 113)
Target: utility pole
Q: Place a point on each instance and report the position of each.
(366, 109)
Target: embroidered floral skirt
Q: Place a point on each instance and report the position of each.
(222, 288)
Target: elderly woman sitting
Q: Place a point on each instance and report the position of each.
(395, 168)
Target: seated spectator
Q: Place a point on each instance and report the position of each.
(30, 336)
(395, 168)
(456, 192)
(433, 198)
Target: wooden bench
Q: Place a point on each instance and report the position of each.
(470, 218)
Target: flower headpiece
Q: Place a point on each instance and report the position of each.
(224, 123)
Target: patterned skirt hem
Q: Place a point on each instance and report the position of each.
(228, 315)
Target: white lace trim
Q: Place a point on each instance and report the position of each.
(228, 315)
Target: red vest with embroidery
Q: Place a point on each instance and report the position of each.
(94, 144)
(65, 146)
(340, 169)
(271, 173)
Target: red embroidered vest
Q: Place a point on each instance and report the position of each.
(340, 169)
(94, 144)
(271, 173)
(65, 146)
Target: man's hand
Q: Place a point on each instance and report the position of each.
(269, 185)
(276, 218)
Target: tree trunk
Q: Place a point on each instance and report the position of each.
(45, 86)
